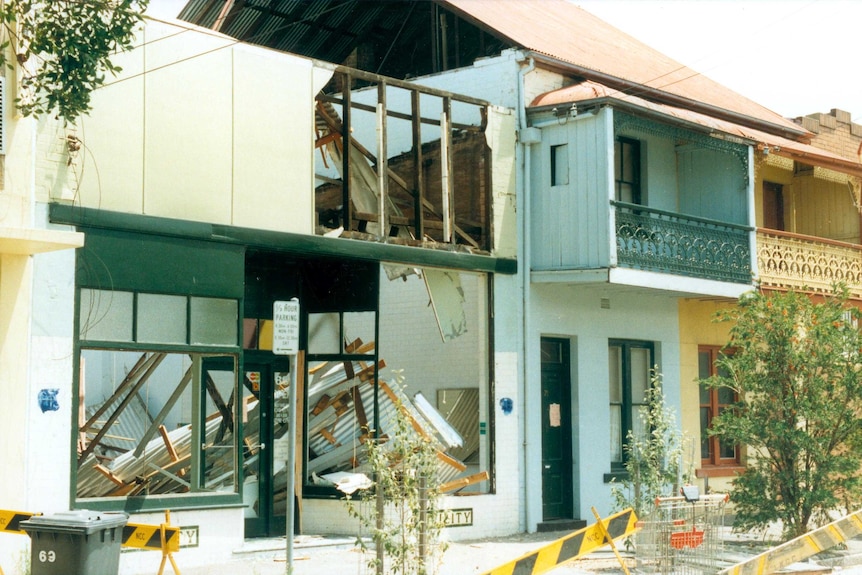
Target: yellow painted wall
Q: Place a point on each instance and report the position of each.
(824, 208)
(813, 206)
(200, 127)
(696, 327)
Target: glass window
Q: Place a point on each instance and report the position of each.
(560, 165)
(141, 416)
(213, 321)
(161, 318)
(106, 315)
(627, 170)
(324, 333)
(713, 401)
(629, 369)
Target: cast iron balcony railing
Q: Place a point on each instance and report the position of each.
(794, 261)
(667, 242)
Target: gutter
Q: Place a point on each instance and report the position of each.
(523, 203)
(666, 97)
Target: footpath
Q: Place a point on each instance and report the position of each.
(318, 555)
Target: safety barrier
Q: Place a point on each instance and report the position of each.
(804, 546)
(574, 545)
(164, 537)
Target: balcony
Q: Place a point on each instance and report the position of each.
(794, 261)
(665, 242)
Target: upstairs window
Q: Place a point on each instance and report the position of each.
(627, 170)
(560, 165)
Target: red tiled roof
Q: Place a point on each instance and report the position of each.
(567, 33)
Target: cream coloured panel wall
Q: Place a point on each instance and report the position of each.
(109, 166)
(203, 128)
(188, 132)
(273, 141)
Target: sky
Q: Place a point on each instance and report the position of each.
(796, 57)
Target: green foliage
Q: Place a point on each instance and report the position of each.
(796, 368)
(653, 457)
(406, 524)
(71, 43)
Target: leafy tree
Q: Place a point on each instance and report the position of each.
(64, 48)
(403, 512)
(796, 367)
(653, 456)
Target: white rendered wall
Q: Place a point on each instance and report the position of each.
(576, 313)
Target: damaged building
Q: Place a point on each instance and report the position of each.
(490, 217)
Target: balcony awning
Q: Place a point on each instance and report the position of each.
(587, 93)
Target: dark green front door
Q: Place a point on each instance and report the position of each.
(557, 485)
(264, 494)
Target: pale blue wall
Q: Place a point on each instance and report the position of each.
(576, 312)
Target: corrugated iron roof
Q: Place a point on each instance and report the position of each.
(564, 31)
(557, 32)
(593, 91)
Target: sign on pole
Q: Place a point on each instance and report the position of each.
(285, 332)
(285, 341)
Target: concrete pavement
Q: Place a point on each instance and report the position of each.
(317, 555)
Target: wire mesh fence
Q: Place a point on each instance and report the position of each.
(682, 535)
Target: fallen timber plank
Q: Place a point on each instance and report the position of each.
(462, 482)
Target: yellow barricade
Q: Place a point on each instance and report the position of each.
(10, 520)
(804, 546)
(150, 537)
(573, 545)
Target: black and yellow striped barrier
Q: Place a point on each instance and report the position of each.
(162, 537)
(10, 521)
(802, 547)
(150, 537)
(572, 546)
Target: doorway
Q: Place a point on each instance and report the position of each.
(557, 484)
(265, 429)
(773, 206)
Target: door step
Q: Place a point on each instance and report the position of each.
(561, 525)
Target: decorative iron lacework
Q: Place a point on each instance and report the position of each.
(627, 123)
(660, 241)
(792, 262)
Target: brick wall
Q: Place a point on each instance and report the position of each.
(834, 132)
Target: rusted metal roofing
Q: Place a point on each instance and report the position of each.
(570, 34)
(594, 92)
(557, 33)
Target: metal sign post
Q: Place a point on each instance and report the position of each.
(285, 341)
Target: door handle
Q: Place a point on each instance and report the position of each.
(547, 467)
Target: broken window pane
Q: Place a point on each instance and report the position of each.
(444, 386)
